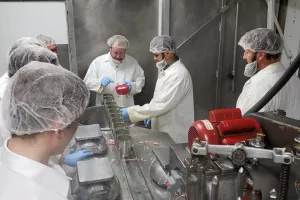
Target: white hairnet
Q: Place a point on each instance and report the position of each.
(118, 41)
(42, 97)
(23, 55)
(26, 41)
(46, 39)
(262, 39)
(162, 43)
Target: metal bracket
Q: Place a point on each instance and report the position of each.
(278, 155)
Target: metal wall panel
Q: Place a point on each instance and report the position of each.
(252, 14)
(63, 55)
(200, 54)
(97, 20)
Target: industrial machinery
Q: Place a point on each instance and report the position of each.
(95, 178)
(229, 157)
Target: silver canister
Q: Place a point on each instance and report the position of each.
(124, 144)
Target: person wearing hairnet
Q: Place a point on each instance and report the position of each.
(49, 42)
(20, 42)
(22, 52)
(114, 68)
(171, 107)
(263, 49)
(42, 123)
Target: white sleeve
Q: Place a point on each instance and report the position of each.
(138, 80)
(174, 90)
(91, 78)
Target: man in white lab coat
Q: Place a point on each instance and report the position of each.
(20, 42)
(172, 106)
(23, 51)
(263, 49)
(41, 105)
(116, 67)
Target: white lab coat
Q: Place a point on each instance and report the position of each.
(3, 84)
(172, 103)
(23, 178)
(129, 70)
(287, 99)
(4, 133)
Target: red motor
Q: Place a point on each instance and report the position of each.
(224, 126)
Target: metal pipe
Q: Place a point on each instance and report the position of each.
(240, 183)
(222, 10)
(235, 46)
(220, 58)
(214, 188)
(271, 9)
(71, 38)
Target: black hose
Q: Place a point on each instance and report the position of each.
(277, 87)
(284, 182)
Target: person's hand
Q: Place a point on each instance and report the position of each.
(72, 159)
(129, 85)
(147, 122)
(125, 114)
(105, 81)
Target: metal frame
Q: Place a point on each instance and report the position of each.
(272, 22)
(71, 37)
(219, 71)
(271, 17)
(235, 45)
(221, 11)
(164, 17)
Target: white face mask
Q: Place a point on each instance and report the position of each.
(250, 69)
(114, 61)
(161, 64)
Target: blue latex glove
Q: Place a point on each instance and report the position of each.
(129, 85)
(72, 159)
(147, 122)
(125, 114)
(105, 81)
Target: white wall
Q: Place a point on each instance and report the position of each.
(20, 19)
(292, 31)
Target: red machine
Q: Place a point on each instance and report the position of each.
(225, 127)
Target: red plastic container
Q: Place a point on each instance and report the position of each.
(122, 89)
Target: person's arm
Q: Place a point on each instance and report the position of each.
(174, 90)
(138, 80)
(72, 159)
(91, 78)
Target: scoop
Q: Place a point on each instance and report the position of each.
(122, 89)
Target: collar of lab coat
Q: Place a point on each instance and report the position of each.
(41, 174)
(273, 68)
(107, 57)
(270, 69)
(178, 62)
